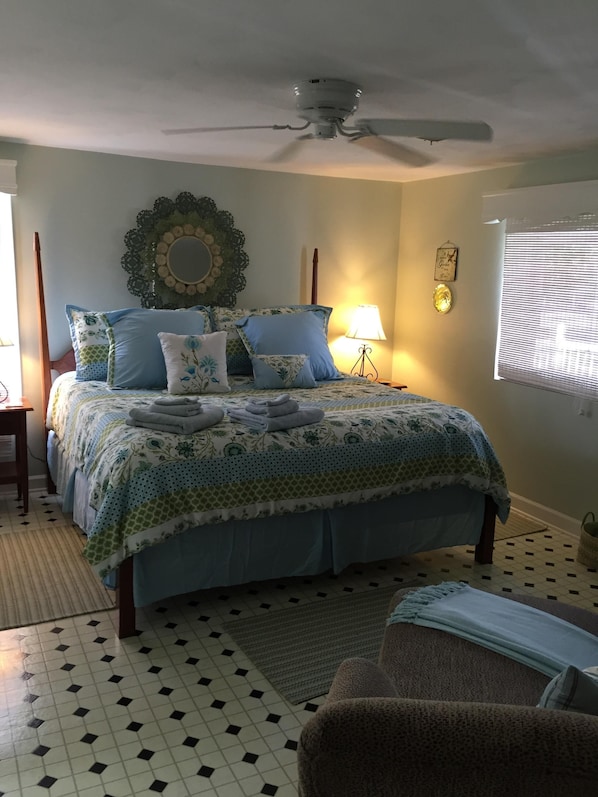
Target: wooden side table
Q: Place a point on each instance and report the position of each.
(13, 421)
(390, 383)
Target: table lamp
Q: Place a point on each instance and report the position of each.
(4, 341)
(366, 325)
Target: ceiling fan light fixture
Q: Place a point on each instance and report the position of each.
(326, 99)
(324, 130)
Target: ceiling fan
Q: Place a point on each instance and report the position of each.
(326, 104)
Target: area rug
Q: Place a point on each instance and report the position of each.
(44, 577)
(299, 649)
(517, 525)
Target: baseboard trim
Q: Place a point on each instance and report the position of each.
(38, 482)
(545, 514)
(35, 483)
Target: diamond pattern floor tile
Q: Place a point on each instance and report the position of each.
(179, 710)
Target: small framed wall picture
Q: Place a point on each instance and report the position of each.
(446, 262)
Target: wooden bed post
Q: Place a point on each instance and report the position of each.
(43, 327)
(314, 278)
(485, 547)
(43, 344)
(124, 600)
(65, 363)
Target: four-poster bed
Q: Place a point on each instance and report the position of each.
(384, 474)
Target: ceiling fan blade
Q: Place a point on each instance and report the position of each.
(392, 150)
(289, 150)
(428, 129)
(185, 130)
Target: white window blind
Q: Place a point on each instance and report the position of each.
(10, 359)
(548, 333)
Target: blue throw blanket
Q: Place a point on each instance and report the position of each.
(535, 638)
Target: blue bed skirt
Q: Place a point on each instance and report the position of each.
(238, 552)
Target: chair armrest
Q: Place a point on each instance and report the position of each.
(391, 746)
(360, 678)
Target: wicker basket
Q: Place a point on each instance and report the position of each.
(587, 550)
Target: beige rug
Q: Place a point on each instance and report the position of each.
(517, 525)
(299, 649)
(44, 577)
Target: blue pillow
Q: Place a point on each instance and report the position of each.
(295, 333)
(281, 371)
(225, 318)
(136, 359)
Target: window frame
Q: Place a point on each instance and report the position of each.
(547, 333)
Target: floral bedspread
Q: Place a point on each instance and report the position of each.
(373, 442)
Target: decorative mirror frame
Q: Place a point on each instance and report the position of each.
(148, 259)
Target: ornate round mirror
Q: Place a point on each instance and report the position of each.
(184, 252)
(188, 259)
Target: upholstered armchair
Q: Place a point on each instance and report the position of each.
(439, 716)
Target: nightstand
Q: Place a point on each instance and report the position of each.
(390, 383)
(13, 421)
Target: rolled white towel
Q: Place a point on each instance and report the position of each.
(173, 401)
(274, 402)
(274, 410)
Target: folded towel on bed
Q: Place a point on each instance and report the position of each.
(264, 423)
(273, 402)
(523, 633)
(273, 411)
(161, 422)
(180, 410)
(174, 401)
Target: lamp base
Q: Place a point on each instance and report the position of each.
(3, 393)
(360, 367)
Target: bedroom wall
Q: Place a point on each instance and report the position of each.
(82, 204)
(550, 453)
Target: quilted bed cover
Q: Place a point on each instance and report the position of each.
(373, 442)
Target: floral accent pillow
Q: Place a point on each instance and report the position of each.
(278, 371)
(195, 363)
(90, 343)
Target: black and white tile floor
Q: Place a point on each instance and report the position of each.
(179, 710)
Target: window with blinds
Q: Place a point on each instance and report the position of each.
(548, 331)
(10, 359)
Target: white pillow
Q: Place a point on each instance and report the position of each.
(195, 363)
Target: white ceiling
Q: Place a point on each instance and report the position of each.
(111, 75)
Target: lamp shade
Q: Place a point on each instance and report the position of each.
(366, 323)
(5, 340)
